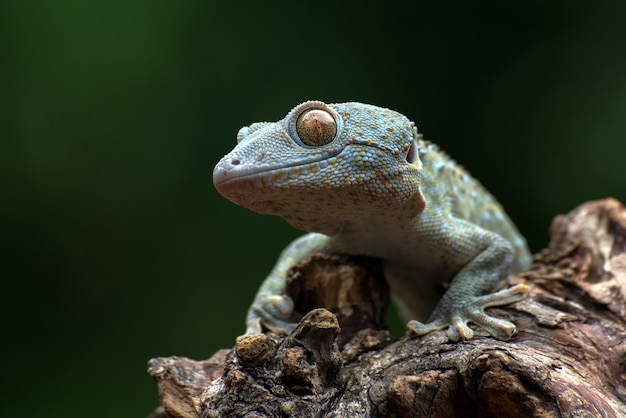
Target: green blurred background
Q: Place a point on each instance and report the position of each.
(116, 247)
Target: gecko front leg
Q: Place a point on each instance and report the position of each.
(272, 309)
(469, 293)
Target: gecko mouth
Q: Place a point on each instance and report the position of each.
(253, 185)
(231, 169)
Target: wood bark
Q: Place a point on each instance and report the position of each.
(568, 358)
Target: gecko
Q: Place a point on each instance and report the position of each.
(360, 179)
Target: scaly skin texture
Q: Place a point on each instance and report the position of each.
(361, 180)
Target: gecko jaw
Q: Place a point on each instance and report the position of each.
(248, 184)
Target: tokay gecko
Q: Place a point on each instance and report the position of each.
(361, 180)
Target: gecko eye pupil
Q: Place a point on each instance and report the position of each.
(316, 127)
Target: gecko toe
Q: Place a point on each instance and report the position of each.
(419, 328)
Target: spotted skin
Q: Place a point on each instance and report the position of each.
(361, 180)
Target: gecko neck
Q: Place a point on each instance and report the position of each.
(383, 232)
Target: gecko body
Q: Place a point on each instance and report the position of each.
(361, 180)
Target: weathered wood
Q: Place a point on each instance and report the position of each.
(568, 358)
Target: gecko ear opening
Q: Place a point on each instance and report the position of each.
(412, 153)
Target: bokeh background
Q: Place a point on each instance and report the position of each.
(115, 246)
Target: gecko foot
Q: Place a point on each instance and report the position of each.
(275, 313)
(454, 313)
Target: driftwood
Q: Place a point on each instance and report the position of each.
(568, 358)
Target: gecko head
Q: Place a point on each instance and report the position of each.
(324, 165)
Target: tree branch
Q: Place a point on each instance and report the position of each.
(567, 359)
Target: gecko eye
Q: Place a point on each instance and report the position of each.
(316, 127)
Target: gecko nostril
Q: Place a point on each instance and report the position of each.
(235, 161)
